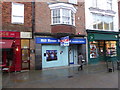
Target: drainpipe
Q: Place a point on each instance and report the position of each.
(33, 19)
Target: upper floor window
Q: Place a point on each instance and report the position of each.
(17, 16)
(72, 1)
(102, 22)
(102, 4)
(109, 4)
(62, 14)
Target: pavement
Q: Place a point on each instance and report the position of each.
(93, 76)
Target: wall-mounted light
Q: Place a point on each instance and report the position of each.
(17, 49)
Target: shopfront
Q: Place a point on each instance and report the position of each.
(25, 49)
(50, 53)
(11, 50)
(102, 46)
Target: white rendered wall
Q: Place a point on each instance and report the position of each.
(88, 15)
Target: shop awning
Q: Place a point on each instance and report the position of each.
(6, 44)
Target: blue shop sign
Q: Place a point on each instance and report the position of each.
(78, 41)
(42, 40)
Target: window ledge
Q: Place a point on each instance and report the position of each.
(18, 23)
(102, 12)
(63, 24)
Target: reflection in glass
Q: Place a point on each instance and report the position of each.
(25, 55)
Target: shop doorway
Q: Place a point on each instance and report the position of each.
(25, 49)
(101, 50)
(73, 55)
(7, 59)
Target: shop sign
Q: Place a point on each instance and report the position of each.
(91, 37)
(78, 41)
(64, 41)
(25, 35)
(7, 34)
(42, 40)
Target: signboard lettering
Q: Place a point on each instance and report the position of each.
(42, 40)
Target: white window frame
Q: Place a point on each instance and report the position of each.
(19, 16)
(62, 6)
(104, 4)
(104, 24)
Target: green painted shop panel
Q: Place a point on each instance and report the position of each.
(105, 37)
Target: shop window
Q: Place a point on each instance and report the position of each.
(93, 49)
(111, 48)
(51, 55)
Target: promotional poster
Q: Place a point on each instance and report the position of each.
(51, 55)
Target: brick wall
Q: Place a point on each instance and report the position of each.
(6, 17)
(42, 17)
(63, 28)
(43, 20)
(80, 18)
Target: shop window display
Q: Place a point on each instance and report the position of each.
(93, 49)
(51, 55)
(111, 48)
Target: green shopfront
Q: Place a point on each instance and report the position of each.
(102, 46)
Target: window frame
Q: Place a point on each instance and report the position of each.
(108, 5)
(95, 18)
(13, 16)
(63, 6)
(63, 17)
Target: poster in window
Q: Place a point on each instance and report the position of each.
(51, 55)
(93, 51)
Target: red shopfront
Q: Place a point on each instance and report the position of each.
(10, 45)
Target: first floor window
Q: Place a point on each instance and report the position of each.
(62, 13)
(17, 13)
(102, 4)
(102, 22)
(56, 16)
(62, 16)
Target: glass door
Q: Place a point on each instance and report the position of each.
(101, 50)
(25, 48)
